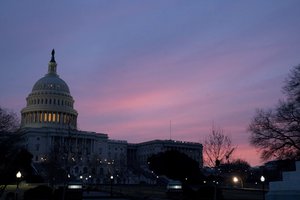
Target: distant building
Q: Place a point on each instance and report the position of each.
(49, 126)
(139, 153)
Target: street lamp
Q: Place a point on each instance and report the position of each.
(18, 175)
(111, 183)
(236, 180)
(81, 178)
(262, 179)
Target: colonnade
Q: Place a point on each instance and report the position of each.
(49, 117)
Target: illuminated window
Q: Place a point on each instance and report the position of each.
(58, 116)
(49, 117)
(41, 117)
(54, 117)
(45, 117)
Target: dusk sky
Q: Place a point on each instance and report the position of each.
(134, 66)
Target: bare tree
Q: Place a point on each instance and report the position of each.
(9, 121)
(9, 147)
(276, 132)
(217, 148)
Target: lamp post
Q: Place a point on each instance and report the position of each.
(111, 183)
(236, 180)
(81, 178)
(262, 179)
(18, 175)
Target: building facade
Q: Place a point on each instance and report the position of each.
(49, 126)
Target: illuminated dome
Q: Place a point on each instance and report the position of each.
(52, 83)
(50, 103)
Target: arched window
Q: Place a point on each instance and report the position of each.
(46, 101)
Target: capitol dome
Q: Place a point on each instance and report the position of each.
(53, 83)
(50, 103)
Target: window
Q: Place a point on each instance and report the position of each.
(45, 117)
(54, 117)
(85, 170)
(35, 117)
(37, 147)
(49, 117)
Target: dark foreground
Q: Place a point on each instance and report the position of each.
(139, 192)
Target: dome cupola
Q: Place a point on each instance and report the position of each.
(50, 103)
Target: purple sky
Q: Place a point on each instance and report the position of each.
(132, 66)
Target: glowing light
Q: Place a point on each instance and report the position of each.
(235, 179)
(18, 175)
(75, 186)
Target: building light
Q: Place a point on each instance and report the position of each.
(74, 186)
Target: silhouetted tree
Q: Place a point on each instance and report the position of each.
(13, 157)
(276, 132)
(237, 167)
(9, 121)
(175, 165)
(217, 148)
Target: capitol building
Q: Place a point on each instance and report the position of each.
(49, 127)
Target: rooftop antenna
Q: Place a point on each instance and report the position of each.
(170, 130)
